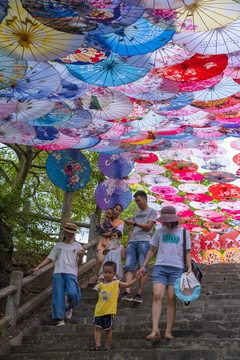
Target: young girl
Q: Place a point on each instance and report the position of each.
(115, 255)
(106, 306)
(106, 223)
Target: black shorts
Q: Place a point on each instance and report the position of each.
(104, 322)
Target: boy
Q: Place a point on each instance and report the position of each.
(106, 306)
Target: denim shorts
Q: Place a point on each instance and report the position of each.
(136, 252)
(166, 275)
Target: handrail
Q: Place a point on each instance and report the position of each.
(13, 292)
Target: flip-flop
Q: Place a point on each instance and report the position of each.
(155, 335)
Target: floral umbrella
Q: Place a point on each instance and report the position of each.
(231, 255)
(11, 70)
(156, 180)
(230, 239)
(62, 143)
(187, 177)
(216, 227)
(230, 103)
(58, 115)
(40, 81)
(192, 188)
(210, 215)
(222, 40)
(180, 207)
(163, 4)
(80, 118)
(22, 37)
(190, 86)
(224, 191)
(219, 177)
(157, 145)
(7, 107)
(185, 144)
(163, 190)
(197, 68)
(181, 166)
(203, 205)
(149, 169)
(16, 132)
(198, 197)
(145, 157)
(226, 87)
(29, 109)
(218, 163)
(208, 132)
(236, 159)
(173, 198)
(111, 192)
(168, 55)
(85, 143)
(105, 104)
(133, 178)
(235, 144)
(175, 154)
(83, 56)
(68, 169)
(139, 38)
(116, 131)
(211, 257)
(195, 17)
(108, 72)
(116, 166)
(192, 228)
(147, 121)
(186, 214)
(211, 241)
(93, 129)
(208, 151)
(229, 205)
(175, 103)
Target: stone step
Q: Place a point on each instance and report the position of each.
(136, 354)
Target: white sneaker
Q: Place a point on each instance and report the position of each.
(68, 314)
(60, 323)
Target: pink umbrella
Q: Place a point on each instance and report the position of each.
(208, 132)
(186, 214)
(180, 207)
(189, 86)
(7, 107)
(203, 205)
(208, 151)
(209, 214)
(193, 228)
(216, 227)
(145, 157)
(188, 177)
(16, 132)
(115, 132)
(149, 168)
(175, 154)
(156, 180)
(133, 178)
(192, 188)
(198, 197)
(187, 110)
(151, 198)
(235, 144)
(230, 212)
(174, 198)
(196, 256)
(186, 144)
(63, 142)
(163, 190)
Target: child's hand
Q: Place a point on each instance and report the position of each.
(106, 251)
(81, 252)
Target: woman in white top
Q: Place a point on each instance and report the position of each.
(68, 256)
(168, 241)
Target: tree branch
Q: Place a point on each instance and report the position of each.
(6, 177)
(9, 162)
(55, 219)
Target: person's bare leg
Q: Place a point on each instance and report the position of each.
(141, 284)
(97, 336)
(128, 277)
(171, 311)
(100, 258)
(108, 338)
(158, 295)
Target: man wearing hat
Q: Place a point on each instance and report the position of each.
(68, 256)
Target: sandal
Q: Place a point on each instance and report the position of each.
(95, 348)
(155, 335)
(108, 349)
(169, 337)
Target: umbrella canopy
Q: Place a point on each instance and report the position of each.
(16, 132)
(58, 115)
(236, 159)
(235, 144)
(231, 255)
(30, 109)
(117, 165)
(190, 86)
(156, 180)
(175, 154)
(224, 191)
(215, 164)
(111, 192)
(187, 177)
(203, 205)
(229, 205)
(192, 188)
(181, 166)
(24, 38)
(211, 241)
(133, 179)
(149, 168)
(173, 198)
(11, 70)
(219, 177)
(226, 87)
(216, 227)
(208, 151)
(116, 131)
(68, 169)
(195, 17)
(63, 142)
(163, 190)
(145, 158)
(86, 143)
(136, 39)
(211, 257)
(108, 72)
(230, 239)
(7, 107)
(198, 197)
(83, 56)
(210, 215)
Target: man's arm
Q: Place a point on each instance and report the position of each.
(144, 227)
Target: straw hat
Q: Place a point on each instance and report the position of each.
(168, 214)
(71, 228)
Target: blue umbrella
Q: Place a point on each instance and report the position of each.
(60, 114)
(86, 143)
(11, 70)
(176, 102)
(108, 72)
(111, 192)
(136, 39)
(3, 9)
(116, 166)
(68, 169)
(46, 133)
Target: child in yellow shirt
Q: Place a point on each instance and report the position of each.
(106, 306)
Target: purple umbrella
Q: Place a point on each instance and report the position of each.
(116, 165)
(111, 192)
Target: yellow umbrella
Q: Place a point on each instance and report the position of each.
(23, 37)
(201, 15)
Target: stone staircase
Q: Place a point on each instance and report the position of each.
(209, 328)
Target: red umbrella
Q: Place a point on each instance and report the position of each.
(196, 256)
(211, 241)
(216, 227)
(181, 166)
(196, 242)
(198, 67)
(144, 158)
(225, 191)
(193, 228)
(230, 239)
(198, 197)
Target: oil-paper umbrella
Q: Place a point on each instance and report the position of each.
(192, 188)
(11, 71)
(235, 144)
(111, 192)
(163, 190)
(16, 132)
(189, 86)
(219, 177)
(22, 37)
(116, 165)
(61, 113)
(196, 17)
(198, 197)
(145, 158)
(229, 205)
(83, 56)
(217, 227)
(214, 164)
(108, 72)
(149, 169)
(139, 38)
(230, 239)
(62, 143)
(180, 207)
(203, 205)
(181, 166)
(231, 255)
(156, 180)
(68, 169)
(186, 214)
(208, 151)
(3, 9)
(210, 215)
(85, 143)
(187, 177)
(173, 198)
(211, 257)
(133, 178)
(211, 241)
(116, 131)
(7, 107)
(225, 191)
(29, 109)
(163, 4)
